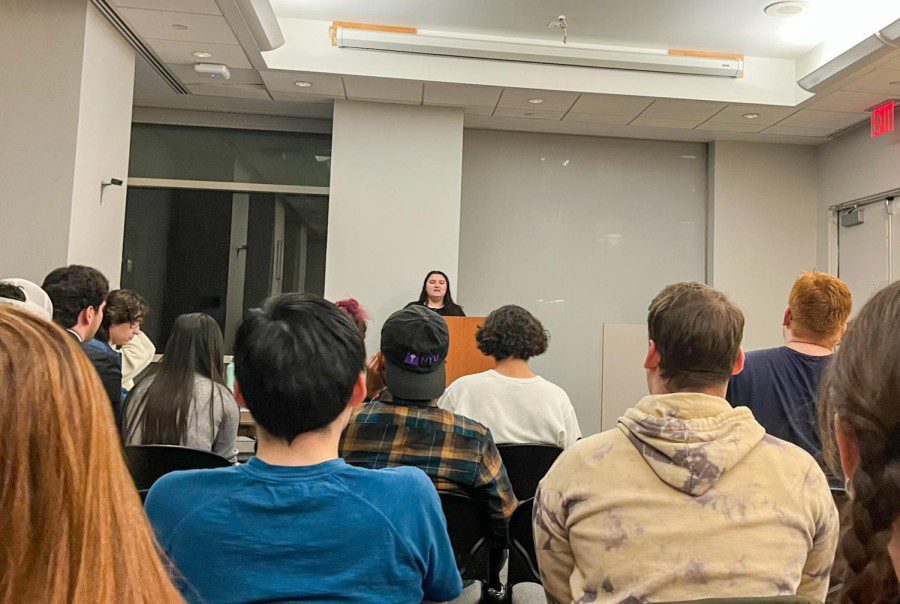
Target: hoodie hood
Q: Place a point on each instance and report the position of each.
(690, 440)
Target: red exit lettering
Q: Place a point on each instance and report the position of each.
(883, 119)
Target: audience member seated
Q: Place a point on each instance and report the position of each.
(860, 413)
(121, 323)
(185, 400)
(296, 523)
(78, 294)
(72, 528)
(125, 313)
(355, 312)
(780, 385)
(404, 427)
(28, 295)
(517, 405)
(687, 498)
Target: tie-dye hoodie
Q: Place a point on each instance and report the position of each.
(687, 498)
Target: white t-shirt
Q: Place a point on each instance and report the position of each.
(515, 410)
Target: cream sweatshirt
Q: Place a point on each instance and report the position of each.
(687, 498)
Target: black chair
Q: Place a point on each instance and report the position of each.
(526, 465)
(147, 463)
(469, 531)
(523, 565)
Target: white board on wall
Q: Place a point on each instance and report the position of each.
(623, 378)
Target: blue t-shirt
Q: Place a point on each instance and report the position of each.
(780, 386)
(328, 532)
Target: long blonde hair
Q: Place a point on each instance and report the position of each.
(72, 528)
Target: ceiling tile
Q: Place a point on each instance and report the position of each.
(682, 110)
(158, 25)
(795, 131)
(850, 102)
(199, 7)
(877, 82)
(529, 114)
(611, 105)
(323, 84)
(553, 100)
(825, 120)
(461, 95)
(187, 75)
(364, 88)
(645, 120)
(768, 115)
(249, 91)
(179, 53)
(725, 126)
(596, 118)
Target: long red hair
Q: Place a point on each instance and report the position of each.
(72, 528)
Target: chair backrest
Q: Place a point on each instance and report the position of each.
(148, 462)
(468, 528)
(526, 465)
(523, 565)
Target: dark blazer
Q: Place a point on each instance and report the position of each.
(109, 368)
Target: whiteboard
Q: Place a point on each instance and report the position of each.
(863, 254)
(623, 377)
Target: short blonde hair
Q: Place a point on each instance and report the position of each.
(820, 304)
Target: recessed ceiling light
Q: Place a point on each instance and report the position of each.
(535, 101)
(526, 114)
(302, 84)
(787, 8)
(895, 83)
(750, 116)
(201, 54)
(179, 26)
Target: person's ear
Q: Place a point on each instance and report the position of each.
(359, 391)
(738, 362)
(652, 360)
(86, 316)
(848, 447)
(786, 320)
(238, 395)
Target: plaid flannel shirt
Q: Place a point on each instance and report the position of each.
(457, 453)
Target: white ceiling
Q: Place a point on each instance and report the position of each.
(732, 26)
(274, 92)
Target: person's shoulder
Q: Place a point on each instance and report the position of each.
(95, 349)
(473, 379)
(765, 356)
(786, 452)
(587, 452)
(385, 479)
(179, 494)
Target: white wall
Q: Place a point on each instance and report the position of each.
(40, 59)
(394, 203)
(581, 231)
(762, 229)
(850, 167)
(104, 138)
(65, 103)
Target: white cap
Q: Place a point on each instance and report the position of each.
(36, 299)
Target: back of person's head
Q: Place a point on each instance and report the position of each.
(72, 289)
(72, 527)
(819, 304)
(414, 345)
(355, 312)
(123, 307)
(296, 361)
(195, 348)
(697, 331)
(861, 390)
(27, 295)
(512, 332)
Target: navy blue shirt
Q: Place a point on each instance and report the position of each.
(328, 532)
(780, 386)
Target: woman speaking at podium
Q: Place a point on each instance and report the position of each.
(436, 296)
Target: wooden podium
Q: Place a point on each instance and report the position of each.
(464, 358)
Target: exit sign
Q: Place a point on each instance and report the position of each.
(883, 119)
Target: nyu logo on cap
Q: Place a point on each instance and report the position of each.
(422, 360)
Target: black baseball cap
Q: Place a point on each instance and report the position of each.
(414, 342)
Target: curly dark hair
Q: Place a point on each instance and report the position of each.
(512, 332)
(122, 306)
(72, 289)
(13, 292)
